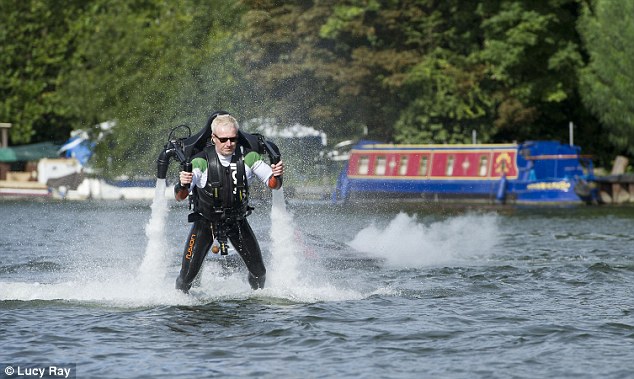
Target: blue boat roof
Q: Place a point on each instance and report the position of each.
(534, 147)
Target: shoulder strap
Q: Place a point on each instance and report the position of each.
(240, 172)
(213, 168)
(214, 175)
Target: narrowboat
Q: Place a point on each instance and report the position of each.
(532, 172)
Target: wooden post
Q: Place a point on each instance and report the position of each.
(4, 127)
(620, 163)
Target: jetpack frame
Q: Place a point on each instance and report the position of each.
(183, 149)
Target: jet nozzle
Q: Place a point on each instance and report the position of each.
(162, 164)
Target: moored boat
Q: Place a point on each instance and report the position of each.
(532, 172)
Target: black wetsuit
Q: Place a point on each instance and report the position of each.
(220, 210)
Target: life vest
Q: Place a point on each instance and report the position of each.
(225, 196)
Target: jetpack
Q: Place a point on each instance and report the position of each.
(185, 148)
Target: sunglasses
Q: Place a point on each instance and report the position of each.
(225, 139)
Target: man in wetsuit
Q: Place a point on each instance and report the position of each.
(218, 185)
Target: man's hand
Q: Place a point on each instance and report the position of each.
(185, 178)
(275, 181)
(181, 191)
(278, 168)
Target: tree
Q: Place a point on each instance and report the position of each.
(447, 88)
(607, 82)
(282, 54)
(405, 70)
(345, 65)
(36, 44)
(150, 65)
(533, 56)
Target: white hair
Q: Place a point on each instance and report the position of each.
(224, 120)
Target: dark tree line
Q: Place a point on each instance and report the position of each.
(416, 71)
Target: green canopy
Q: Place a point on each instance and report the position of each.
(33, 152)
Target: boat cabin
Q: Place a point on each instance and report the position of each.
(535, 171)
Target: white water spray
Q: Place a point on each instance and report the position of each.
(154, 265)
(405, 242)
(117, 285)
(291, 274)
(294, 272)
(285, 263)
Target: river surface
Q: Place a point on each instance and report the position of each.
(396, 291)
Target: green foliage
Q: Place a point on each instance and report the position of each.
(607, 82)
(448, 102)
(146, 64)
(329, 64)
(36, 43)
(533, 56)
(420, 71)
(403, 70)
(150, 65)
(281, 56)
(446, 88)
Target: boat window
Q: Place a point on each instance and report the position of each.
(450, 161)
(379, 169)
(402, 170)
(484, 165)
(364, 165)
(423, 166)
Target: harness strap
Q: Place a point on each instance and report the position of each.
(214, 175)
(225, 194)
(241, 186)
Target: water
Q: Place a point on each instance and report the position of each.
(389, 292)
